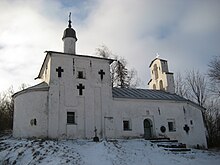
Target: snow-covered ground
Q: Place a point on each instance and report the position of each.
(86, 152)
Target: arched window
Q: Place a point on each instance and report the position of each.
(161, 85)
(154, 87)
(156, 71)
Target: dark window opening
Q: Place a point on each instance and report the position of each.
(159, 111)
(171, 126)
(191, 122)
(156, 71)
(161, 85)
(126, 125)
(80, 75)
(71, 118)
(35, 121)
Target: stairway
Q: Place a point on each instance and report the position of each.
(170, 145)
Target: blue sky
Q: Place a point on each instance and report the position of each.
(186, 33)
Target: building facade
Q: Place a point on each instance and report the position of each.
(76, 100)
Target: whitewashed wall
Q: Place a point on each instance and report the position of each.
(29, 106)
(64, 96)
(136, 112)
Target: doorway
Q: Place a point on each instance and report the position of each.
(147, 129)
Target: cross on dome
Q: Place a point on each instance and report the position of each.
(69, 32)
(69, 20)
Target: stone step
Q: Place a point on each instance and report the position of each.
(172, 145)
(164, 140)
(158, 138)
(177, 149)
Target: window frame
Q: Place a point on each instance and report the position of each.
(71, 118)
(81, 74)
(171, 125)
(126, 123)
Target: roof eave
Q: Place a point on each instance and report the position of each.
(156, 59)
(42, 66)
(79, 55)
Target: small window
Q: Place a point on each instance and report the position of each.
(191, 122)
(126, 125)
(80, 75)
(33, 122)
(71, 118)
(171, 126)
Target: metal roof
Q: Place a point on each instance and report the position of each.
(132, 93)
(43, 86)
(69, 32)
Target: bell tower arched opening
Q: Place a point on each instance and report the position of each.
(155, 71)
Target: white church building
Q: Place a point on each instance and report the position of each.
(76, 100)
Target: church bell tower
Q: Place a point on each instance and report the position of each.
(161, 78)
(69, 39)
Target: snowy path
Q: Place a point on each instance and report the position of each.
(84, 152)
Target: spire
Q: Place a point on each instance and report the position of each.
(69, 20)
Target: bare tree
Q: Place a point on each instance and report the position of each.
(194, 86)
(197, 86)
(212, 119)
(103, 51)
(23, 86)
(180, 86)
(6, 109)
(214, 69)
(214, 75)
(121, 76)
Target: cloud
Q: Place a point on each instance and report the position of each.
(186, 33)
(138, 30)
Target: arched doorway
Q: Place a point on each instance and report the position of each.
(147, 129)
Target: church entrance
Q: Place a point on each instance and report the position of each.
(147, 129)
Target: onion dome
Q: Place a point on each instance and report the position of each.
(69, 32)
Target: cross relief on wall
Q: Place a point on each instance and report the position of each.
(186, 128)
(59, 70)
(102, 73)
(80, 87)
